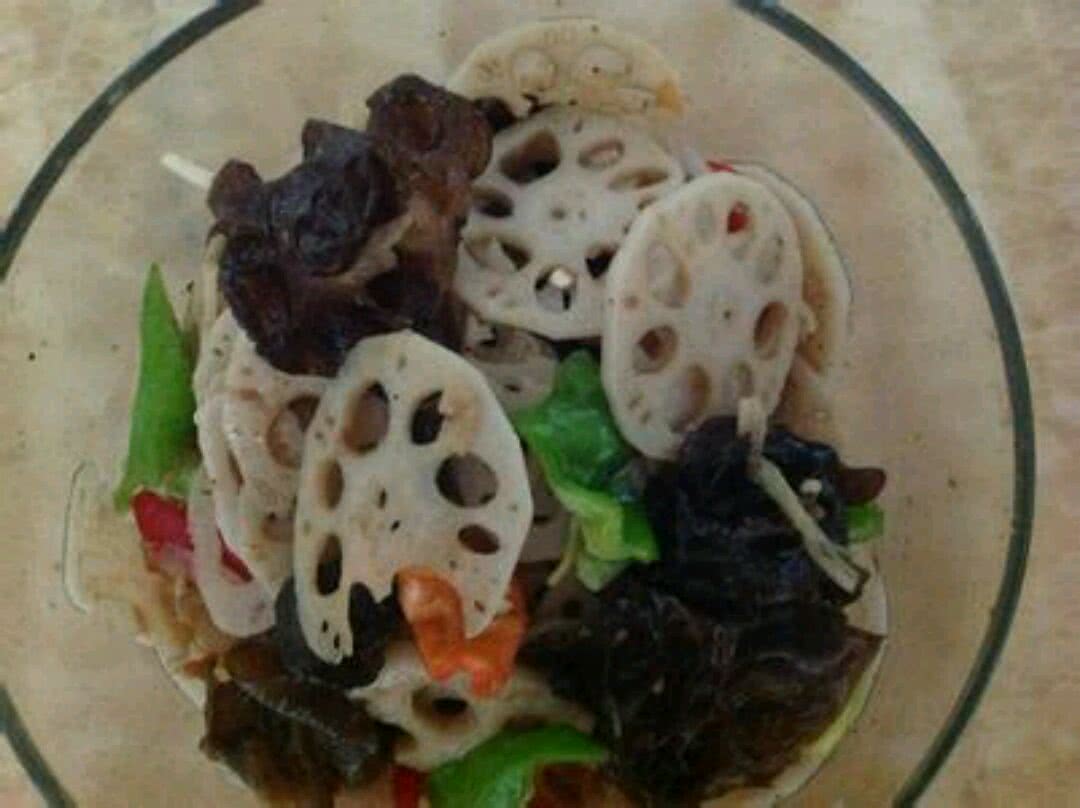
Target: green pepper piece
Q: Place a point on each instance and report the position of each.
(865, 522)
(499, 773)
(162, 443)
(583, 455)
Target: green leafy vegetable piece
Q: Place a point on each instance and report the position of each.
(595, 573)
(577, 442)
(499, 772)
(161, 447)
(573, 429)
(865, 522)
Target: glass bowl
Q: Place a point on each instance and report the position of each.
(934, 389)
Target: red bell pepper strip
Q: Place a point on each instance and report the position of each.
(738, 218)
(408, 785)
(718, 165)
(163, 525)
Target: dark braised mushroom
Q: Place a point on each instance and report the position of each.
(290, 271)
(290, 243)
(294, 741)
(434, 141)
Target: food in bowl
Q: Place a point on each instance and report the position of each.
(462, 479)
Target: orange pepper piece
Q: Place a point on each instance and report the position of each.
(434, 612)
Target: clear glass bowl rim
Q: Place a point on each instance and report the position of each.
(788, 24)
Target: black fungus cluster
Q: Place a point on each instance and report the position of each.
(725, 546)
(289, 267)
(283, 722)
(711, 669)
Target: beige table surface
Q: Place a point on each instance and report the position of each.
(1005, 112)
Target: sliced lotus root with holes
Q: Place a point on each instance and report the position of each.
(215, 350)
(579, 62)
(519, 366)
(703, 309)
(550, 521)
(410, 461)
(551, 210)
(443, 721)
(221, 466)
(826, 280)
(250, 427)
(263, 416)
(239, 608)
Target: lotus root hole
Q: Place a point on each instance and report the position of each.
(493, 203)
(602, 155)
(328, 573)
(442, 711)
(479, 540)
(558, 213)
(497, 253)
(367, 419)
(689, 398)
(767, 330)
(667, 278)
(519, 256)
(535, 158)
(466, 481)
(555, 289)
(332, 484)
(655, 350)
(284, 436)
(637, 179)
(277, 529)
(303, 407)
(598, 259)
(427, 421)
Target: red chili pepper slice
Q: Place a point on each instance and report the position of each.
(717, 165)
(409, 786)
(434, 611)
(233, 563)
(163, 525)
(738, 217)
